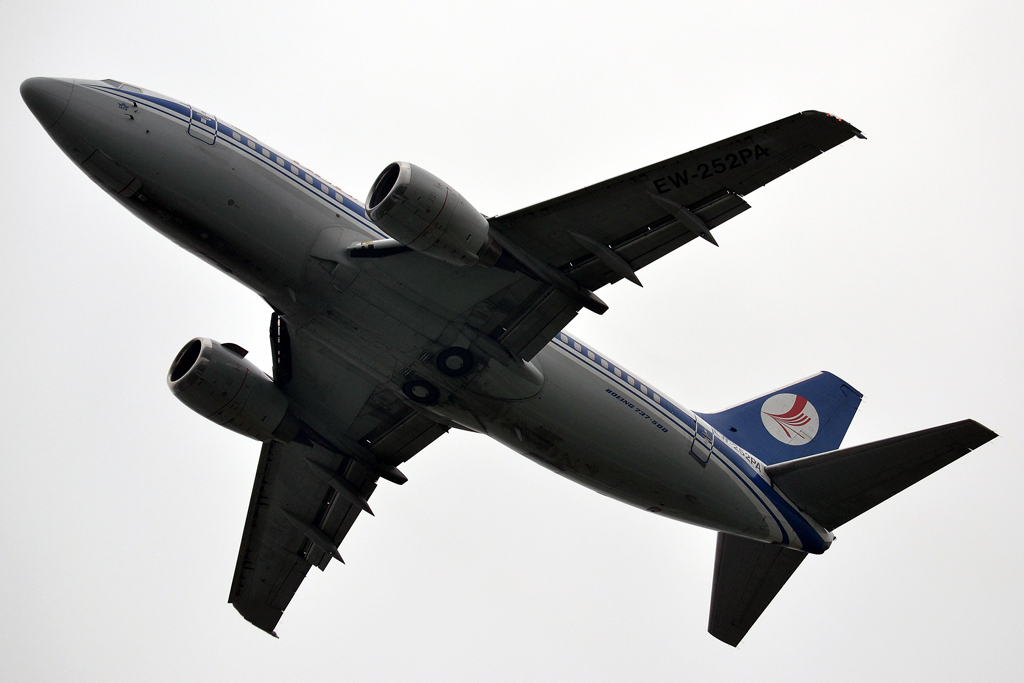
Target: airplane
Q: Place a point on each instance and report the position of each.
(399, 319)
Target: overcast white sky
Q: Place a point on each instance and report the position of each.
(896, 262)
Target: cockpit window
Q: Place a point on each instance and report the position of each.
(122, 86)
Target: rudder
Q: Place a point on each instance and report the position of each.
(805, 418)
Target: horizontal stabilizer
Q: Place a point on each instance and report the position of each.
(748, 575)
(260, 614)
(835, 487)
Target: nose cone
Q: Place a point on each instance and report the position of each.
(47, 98)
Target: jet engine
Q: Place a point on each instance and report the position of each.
(426, 214)
(216, 381)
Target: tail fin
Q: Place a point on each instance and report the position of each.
(835, 487)
(796, 421)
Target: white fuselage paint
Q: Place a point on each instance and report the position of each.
(276, 227)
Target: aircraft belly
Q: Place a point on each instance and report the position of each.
(576, 427)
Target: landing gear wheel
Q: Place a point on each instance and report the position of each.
(421, 391)
(455, 361)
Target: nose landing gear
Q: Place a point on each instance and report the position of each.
(453, 361)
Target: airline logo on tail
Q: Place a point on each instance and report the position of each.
(790, 418)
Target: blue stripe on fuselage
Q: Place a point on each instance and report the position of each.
(177, 107)
(810, 540)
(316, 186)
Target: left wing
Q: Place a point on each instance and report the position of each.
(642, 215)
(606, 232)
(564, 248)
(305, 498)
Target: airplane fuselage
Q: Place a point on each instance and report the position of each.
(281, 230)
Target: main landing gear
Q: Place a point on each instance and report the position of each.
(453, 361)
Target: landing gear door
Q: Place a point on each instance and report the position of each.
(203, 127)
(703, 442)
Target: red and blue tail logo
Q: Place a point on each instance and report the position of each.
(790, 418)
(807, 417)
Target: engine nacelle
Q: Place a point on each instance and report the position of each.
(217, 382)
(426, 214)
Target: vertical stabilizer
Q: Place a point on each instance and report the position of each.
(809, 417)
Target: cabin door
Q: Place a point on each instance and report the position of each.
(703, 442)
(203, 127)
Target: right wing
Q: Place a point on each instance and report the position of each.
(297, 517)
